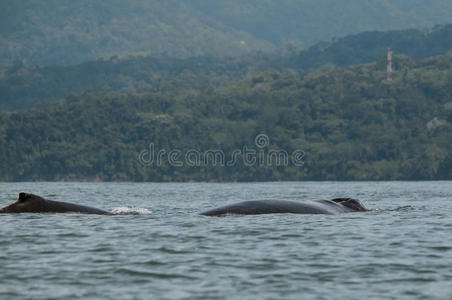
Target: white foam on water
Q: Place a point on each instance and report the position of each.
(124, 210)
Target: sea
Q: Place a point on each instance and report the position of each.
(158, 246)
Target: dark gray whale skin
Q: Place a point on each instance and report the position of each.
(29, 203)
(258, 207)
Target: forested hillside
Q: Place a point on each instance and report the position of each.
(348, 123)
(55, 32)
(23, 87)
(368, 47)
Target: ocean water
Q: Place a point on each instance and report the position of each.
(400, 250)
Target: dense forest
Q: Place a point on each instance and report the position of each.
(56, 32)
(23, 87)
(344, 124)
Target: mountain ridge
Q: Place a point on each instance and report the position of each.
(23, 87)
(68, 32)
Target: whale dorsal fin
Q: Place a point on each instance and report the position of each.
(351, 203)
(26, 197)
(339, 200)
(22, 197)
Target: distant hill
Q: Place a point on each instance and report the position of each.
(368, 47)
(343, 124)
(23, 87)
(56, 32)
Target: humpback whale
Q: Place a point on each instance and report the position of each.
(258, 207)
(29, 203)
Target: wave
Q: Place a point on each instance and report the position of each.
(124, 210)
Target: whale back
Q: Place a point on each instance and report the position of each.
(26, 203)
(257, 207)
(30, 203)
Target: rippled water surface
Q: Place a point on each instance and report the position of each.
(401, 250)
